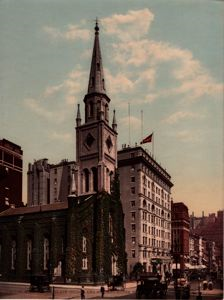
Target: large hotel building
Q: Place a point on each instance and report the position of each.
(146, 199)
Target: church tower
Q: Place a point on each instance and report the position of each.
(96, 140)
(95, 226)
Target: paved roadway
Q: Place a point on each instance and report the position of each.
(11, 291)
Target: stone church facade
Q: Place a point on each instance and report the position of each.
(82, 239)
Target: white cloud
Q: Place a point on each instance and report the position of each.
(71, 89)
(195, 88)
(126, 26)
(182, 115)
(188, 136)
(36, 107)
(51, 90)
(72, 86)
(132, 52)
(147, 76)
(118, 83)
(73, 32)
(134, 122)
(188, 76)
(140, 60)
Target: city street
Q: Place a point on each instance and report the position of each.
(14, 291)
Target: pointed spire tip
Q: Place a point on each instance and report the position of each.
(96, 26)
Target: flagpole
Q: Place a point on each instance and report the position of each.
(153, 144)
(141, 124)
(129, 132)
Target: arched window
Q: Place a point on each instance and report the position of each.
(85, 263)
(106, 112)
(13, 255)
(95, 179)
(90, 109)
(84, 244)
(111, 179)
(111, 227)
(28, 254)
(98, 109)
(46, 253)
(86, 180)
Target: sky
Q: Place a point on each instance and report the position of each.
(164, 58)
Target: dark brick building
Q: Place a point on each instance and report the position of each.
(180, 225)
(11, 168)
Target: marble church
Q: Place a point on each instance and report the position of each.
(82, 239)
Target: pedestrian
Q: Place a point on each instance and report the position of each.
(102, 290)
(82, 292)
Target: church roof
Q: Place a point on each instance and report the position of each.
(96, 76)
(34, 209)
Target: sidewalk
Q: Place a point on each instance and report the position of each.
(11, 290)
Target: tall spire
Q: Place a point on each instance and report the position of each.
(96, 76)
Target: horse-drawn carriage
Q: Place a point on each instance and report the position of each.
(151, 286)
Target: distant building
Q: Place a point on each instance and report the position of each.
(180, 234)
(209, 227)
(146, 198)
(204, 254)
(49, 183)
(11, 168)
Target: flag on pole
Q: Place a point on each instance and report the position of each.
(148, 139)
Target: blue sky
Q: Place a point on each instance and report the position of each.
(162, 57)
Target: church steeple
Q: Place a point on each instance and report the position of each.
(96, 99)
(96, 76)
(96, 139)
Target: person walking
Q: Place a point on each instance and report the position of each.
(102, 290)
(82, 292)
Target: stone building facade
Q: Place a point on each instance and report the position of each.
(82, 239)
(49, 183)
(146, 200)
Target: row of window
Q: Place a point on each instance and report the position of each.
(154, 243)
(151, 174)
(153, 231)
(46, 254)
(10, 159)
(91, 105)
(154, 188)
(152, 219)
(13, 254)
(155, 198)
